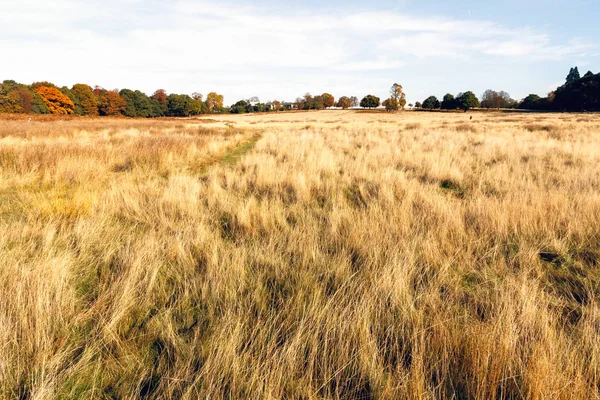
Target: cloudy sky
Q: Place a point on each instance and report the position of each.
(280, 50)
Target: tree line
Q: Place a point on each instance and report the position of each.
(81, 99)
(577, 94)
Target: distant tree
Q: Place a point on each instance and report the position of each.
(86, 103)
(493, 99)
(318, 103)
(36, 85)
(159, 103)
(449, 102)
(55, 100)
(344, 102)
(137, 104)
(370, 101)
(277, 105)
(391, 104)
(573, 76)
(197, 96)
(431, 103)
(531, 102)
(418, 104)
(397, 95)
(588, 74)
(214, 101)
(299, 103)
(182, 105)
(240, 107)
(308, 101)
(18, 98)
(354, 101)
(467, 101)
(111, 103)
(328, 100)
(410, 105)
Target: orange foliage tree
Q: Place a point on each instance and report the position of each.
(55, 100)
(111, 103)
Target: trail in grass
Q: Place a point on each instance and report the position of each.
(233, 155)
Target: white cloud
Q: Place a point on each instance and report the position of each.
(242, 50)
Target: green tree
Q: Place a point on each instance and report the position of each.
(467, 100)
(418, 104)
(573, 76)
(370, 101)
(160, 105)
(431, 103)
(85, 101)
(588, 74)
(449, 102)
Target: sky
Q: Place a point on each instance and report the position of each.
(279, 50)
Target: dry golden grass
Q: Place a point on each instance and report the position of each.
(344, 256)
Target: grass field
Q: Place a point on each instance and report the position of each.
(318, 255)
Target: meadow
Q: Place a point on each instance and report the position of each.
(310, 255)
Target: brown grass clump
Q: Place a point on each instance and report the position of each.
(284, 257)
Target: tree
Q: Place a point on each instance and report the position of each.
(370, 101)
(328, 100)
(492, 99)
(197, 96)
(86, 103)
(397, 95)
(55, 100)
(573, 76)
(344, 102)
(431, 103)
(111, 103)
(531, 102)
(318, 103)
(390, 104)
(467, 100)
(214, 101)
(240, 107)
(159, 103)
(354, 101)
(449, 102)
(277, 105)
(418, 104)
(410, 105)
(588, 74)
(182, 105)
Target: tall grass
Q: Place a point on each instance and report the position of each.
(345, 256)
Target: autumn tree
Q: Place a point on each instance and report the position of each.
(159, 103)
(55, 100)
(197, 96)
(370, 101)
(214, 101)
(328, 100)
(344, 102)
(397, 95)
(86, 103)
(354, 101)
(111, 103)
(390, 104)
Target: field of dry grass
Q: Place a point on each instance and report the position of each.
(319, 255)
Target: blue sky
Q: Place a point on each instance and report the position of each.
(278, 50)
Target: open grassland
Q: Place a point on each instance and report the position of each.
(329, 255)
